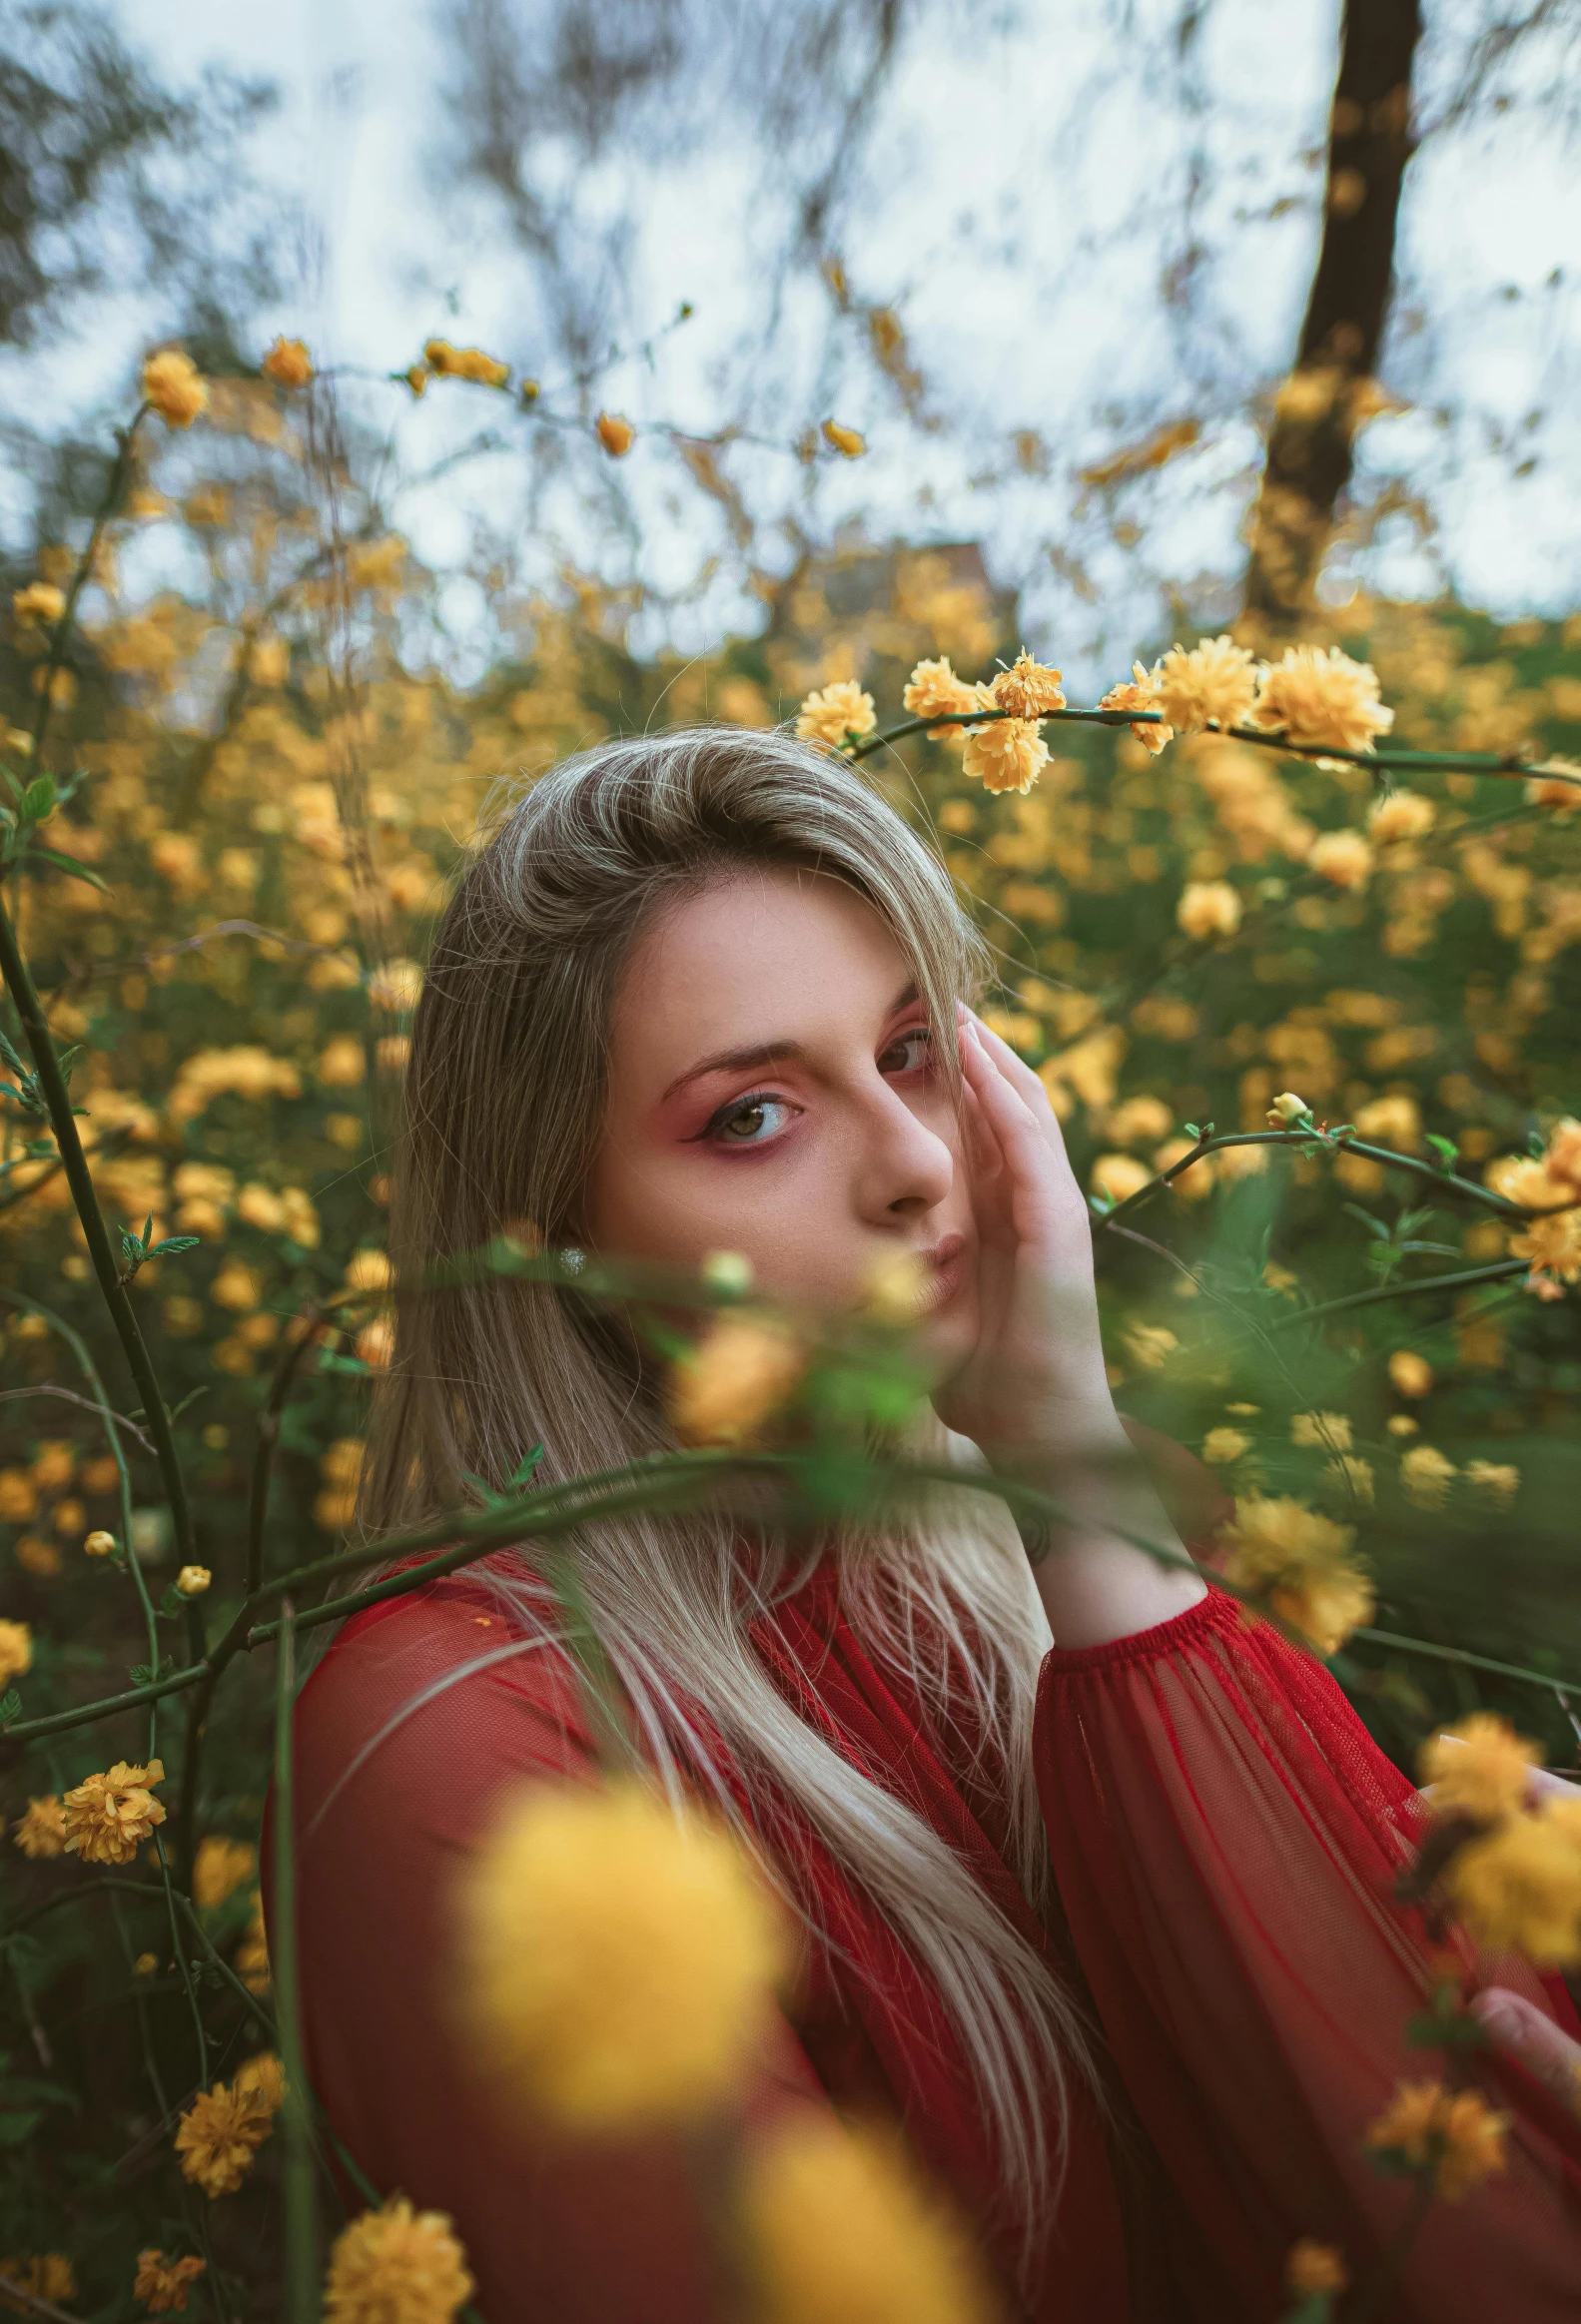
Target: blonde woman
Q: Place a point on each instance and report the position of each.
(1105, 1923)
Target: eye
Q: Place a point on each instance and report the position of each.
(908, 1053)
(750, 1121)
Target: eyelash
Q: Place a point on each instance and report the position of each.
(714, 1131)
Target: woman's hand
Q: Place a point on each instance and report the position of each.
(1034, 1394)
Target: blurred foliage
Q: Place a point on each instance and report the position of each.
(278, 790)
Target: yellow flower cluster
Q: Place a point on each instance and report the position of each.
(464, 362)
(163, 2284)
(1480, 1768)
(288, 363)
(219, 2136)
(38, 606)
(1320, 700)
(48, 2275)
(1452, 2138)
(932, 689)
(108, 1816)
(617, 1960)
(832, 714)
(1207, 909)
(1324, 702)
(1518, 1882)
(1401, 815)
(16, 1650)
(1551, 1245)
(246, 1071)
(1298, 1563)
(837, 2230)
(220, 1867)
(397, 2266)
(41, 1830)
(174, 387)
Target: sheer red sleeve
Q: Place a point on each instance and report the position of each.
(421, 1712)
(1226, 1835)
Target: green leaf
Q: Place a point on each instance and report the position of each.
(173, 1245)
(38, 800)
(10, 1706)
(1454, 2031)
(69, 865)
(16, 2128)
(351, 1365)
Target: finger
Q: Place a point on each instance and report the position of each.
(1028, 1158)
(1014, 1068)
(1524, 2032)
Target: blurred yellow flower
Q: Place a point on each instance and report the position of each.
(163, 2284)
(1213, 683)
(1409, 1372)
(368, 1271)
(1330, 1430)
(343, 1063)
(251, 1960)
(41, 1830)
(615, 435)
(18, 1495)
(1520, 1885)
(1222, 1446)
(1140, 692)
(831, 714)
(1208, 908)
(464, 362)
(1478, 1768)
(837, 2230)
(219, 2136)
(1453, 2136)
(1497, 1482)
(844, 439)
(236, 1286)
(618, 1961)
(742, 1370)
(397, 2266)
(1314, 2267)
(46, 2274)
(897, 1288)
(108, 1816)
(1401, 815)
(1425, 1475)
(1562, 1160)
(174, 387)
(263, 2077)
(288, 363)
(16, 1650)
(1394, 1120)
(1301, 1562)
(1343, 858)
(1349, 1474)
(1119, 1176)
(1139, 1121)
(1028, 690)
(1005, 754)
(40, 605)
(220, 1867)
(1150, 1345)
(1321, 699)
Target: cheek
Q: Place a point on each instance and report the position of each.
(783, 1215)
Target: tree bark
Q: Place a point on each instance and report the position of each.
(1331, 389)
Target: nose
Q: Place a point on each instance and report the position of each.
(906, 1169)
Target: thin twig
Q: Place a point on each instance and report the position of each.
(70, 1396)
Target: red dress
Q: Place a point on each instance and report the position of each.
(1223, 1832)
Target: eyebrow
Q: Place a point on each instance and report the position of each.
(765, 1052)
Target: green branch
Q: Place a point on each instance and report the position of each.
(1476, 1662)
(1331, 1142)
(1500, 1272)
(126, 439)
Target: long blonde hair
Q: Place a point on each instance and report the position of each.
(505, 1097)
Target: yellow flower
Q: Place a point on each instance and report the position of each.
(263, 2077)
(1322, 700)
(1396, 1122)
(837, 2230)
(844, 439)
(1140, 1120)
(1314, 2267)
(1425, 1476)
(1401, 815)
(1150, 1345)
(397, 986)
(220, 1867)
(98, 1543)
(251, 1960)
(18, 1495)
(615, 435)
(1556, 791)
(464, 362)
(46, 2274)
(416, 379)
(1286, 1109)
(1330, 1430)
(1410, 1373)
(1139, 693)
(145, 1964)
(934, 687)
(1552, 1248)
(193, 1580)
(42, 1831)
(1520, 1885)
(108, 1816)
(38, 606)
(1402, 1424)
(1453, 2136)
(619, 1961)
(288, 363)
(1563, 1158)
(236, 1287)
(163, 2284)
(1119, 1176)
(737, 1377)
(1208, 908)
(397, 2266)
(1301, 1562)
(836, 712)
(219, 2136)
(1005, 754)
(1343, 858)
(896, 1288)
(1494, 1481)
(1220, 1446)
(343, 1062)
(16, 1650)
(1028, 690)
(1480, 1768)
(174, 388)
(1214, 683)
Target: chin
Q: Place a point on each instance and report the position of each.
(951, 1339)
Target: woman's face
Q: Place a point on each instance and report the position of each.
(773, 1091)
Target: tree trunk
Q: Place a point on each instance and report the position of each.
(1329, 390)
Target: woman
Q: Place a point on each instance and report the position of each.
(1106, 1926)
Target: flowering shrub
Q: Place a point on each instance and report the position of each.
(1301, 1001)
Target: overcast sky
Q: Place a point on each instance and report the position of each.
(1020, 190)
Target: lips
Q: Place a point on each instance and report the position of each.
(947, 1264)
